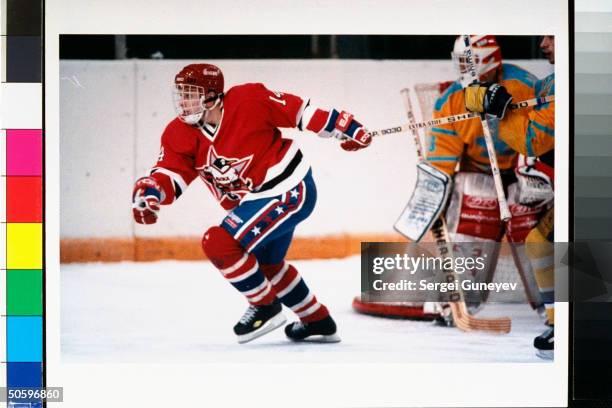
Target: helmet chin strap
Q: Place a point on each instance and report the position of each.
(218, 99)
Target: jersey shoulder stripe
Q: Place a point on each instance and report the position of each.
(513, 72)
(455, 87)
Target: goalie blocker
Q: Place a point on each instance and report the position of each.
(427, 202)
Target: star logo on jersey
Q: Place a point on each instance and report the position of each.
(225, 175)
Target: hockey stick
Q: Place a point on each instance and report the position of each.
(462, 318)
(455, 118)
(532, 297)
(499, 186)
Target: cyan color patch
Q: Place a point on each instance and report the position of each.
(24, 338)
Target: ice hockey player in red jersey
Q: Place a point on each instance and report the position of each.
(232, 141)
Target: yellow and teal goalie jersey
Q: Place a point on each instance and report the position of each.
(463, 142)
(531, 131)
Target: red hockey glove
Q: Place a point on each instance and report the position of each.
(362, 140)
(146, 197)
(354, 135)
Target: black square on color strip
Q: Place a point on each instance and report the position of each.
(23, 17)
(23, 59)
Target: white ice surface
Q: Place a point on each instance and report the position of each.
(183, 312)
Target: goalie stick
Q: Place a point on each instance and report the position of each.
(504, 210)
(461, 317)
(455, 118)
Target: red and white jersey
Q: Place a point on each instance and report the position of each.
(244, 157)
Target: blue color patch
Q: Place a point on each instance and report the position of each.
(296, 295)
(24, 338)
(331, 120)
(444, 131)
(249, 283)
(432, 143)
(529, 141)
(24, 375)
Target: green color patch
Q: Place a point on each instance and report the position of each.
(24, 292)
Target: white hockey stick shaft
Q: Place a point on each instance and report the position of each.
(499, 186)
(411, 120)
(455, 118)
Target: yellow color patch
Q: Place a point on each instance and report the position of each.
(24, 243)
(257, 324)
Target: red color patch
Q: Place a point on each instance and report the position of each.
(23, 199)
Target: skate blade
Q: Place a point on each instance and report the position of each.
(546, 354)
(274, 323)
(320, 338)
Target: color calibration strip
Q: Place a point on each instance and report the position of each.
(23, 185)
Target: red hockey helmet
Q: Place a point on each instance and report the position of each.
(191, 86)
(487, 57)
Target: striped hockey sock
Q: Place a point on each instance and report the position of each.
(294, 293)
(245, 276)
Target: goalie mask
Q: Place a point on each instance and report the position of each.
(487, 57)
(192, 91)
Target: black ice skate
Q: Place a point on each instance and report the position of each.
(545, 344)
(259, 320)
(321, 331)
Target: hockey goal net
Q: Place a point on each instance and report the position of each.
(509, 259)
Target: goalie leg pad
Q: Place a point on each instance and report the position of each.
(426, 203)
(473, 216)
(238, 267)
(474, 210)
(524, 217)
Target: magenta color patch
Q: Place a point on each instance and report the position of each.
(24, 152)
